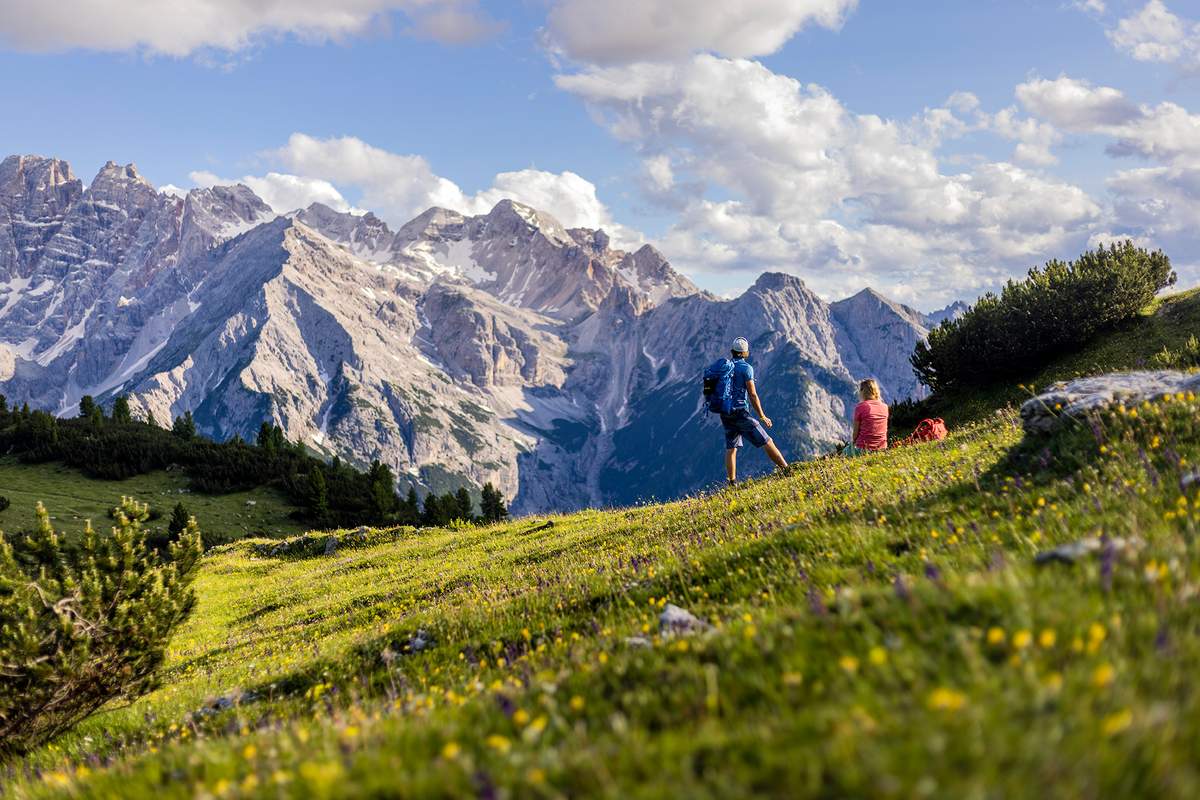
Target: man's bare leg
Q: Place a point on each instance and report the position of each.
(774, 454)
(731, 465)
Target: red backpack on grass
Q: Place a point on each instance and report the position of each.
(928, 430)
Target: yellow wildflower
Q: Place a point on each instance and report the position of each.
(1103, 675)
(1117, 722)
(944, 699)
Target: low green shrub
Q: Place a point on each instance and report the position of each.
(1186, 357)
(1055, 310)
(81, 626)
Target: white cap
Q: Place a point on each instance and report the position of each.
(740, 345)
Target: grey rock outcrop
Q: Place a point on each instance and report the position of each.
(1070, 400)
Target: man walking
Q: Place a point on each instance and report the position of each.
(729, 387)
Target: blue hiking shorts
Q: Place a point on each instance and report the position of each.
(740, 424)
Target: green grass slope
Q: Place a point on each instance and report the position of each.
(71, 498)
(874, 627)
(1167, 324)
(878, 627)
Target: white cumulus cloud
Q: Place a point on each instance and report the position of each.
(1155, 33)
(1075, 105)
(625, 31)
(183, 27)
(398, 187)
(774, 173)
(282, 192)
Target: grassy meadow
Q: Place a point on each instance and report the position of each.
(871, 627)
(72, 498)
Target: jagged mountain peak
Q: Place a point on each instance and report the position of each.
(952, 311)
(870, 302)
(112, 172)
(47, 172)
(513, 216)
(432, 222)
(780, 281)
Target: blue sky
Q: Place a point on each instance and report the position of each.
(766, 134)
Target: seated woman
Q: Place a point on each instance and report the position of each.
(870, 420)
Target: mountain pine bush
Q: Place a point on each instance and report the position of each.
(86, 624)
(1056, 309)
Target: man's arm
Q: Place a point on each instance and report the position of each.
(754, 401)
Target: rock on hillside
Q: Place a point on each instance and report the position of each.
(1070, 400)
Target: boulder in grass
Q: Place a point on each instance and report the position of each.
(675, 620)
(1075, 551)
(419, 641)
(1073, 399)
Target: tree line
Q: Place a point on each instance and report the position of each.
(115, 446)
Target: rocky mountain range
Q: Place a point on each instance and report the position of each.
(502, 347)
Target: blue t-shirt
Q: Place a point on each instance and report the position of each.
(743, 373)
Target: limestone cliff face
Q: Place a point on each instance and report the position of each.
(501, 347)
(876, 337)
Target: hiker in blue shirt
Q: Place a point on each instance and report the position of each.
(730, 391)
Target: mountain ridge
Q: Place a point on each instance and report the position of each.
(458, 349)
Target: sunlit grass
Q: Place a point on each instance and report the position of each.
(877, 628)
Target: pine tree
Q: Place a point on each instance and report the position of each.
(85, 625)
(96, 417)
(150, 420)
(179, 521)
(464, 509)
(120, 410)
(431, 513)
(384, 501)
(87, 404)
(318, 494)
(265, 440)
(185, 427)
(410, 509)
(492, 504)
(43, 431)
(271, 438)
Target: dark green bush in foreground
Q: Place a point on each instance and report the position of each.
(83, 625)
(1057, 309)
